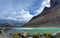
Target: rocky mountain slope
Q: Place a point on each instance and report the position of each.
(50, 17)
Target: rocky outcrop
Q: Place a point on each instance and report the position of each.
(50, 17)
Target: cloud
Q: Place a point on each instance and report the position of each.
(22, 15)
(11, 18)
(45, 3)
(21, 10)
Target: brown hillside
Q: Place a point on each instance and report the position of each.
(49, 18)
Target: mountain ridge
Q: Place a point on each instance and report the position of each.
(48, 14)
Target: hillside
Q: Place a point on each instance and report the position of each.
(50, 17)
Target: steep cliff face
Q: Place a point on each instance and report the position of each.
(50, 17)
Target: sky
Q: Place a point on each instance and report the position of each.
(21, 10)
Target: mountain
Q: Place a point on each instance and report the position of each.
(13, 23)
(50, 17)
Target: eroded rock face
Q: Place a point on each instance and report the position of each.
(48, 18)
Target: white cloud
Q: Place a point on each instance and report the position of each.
(22, 16)
(11, 18)
(11, 14)
(45, 3)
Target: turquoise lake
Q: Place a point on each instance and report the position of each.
(34, 30)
